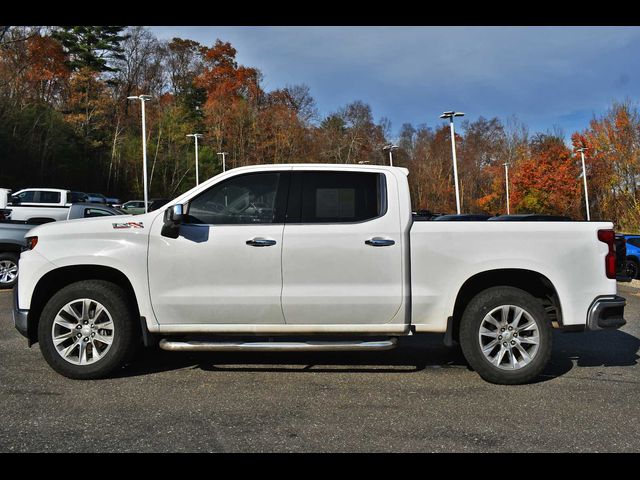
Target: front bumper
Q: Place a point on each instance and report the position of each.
(606, 313)
(20, 317)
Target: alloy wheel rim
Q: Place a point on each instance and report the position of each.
(509, 337)
(8, 271)
(83, 331)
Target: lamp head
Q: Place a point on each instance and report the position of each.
(451, 114)
(140, 97)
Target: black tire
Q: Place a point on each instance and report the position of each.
(632, 267)
(125, 334)
(472, 319)
(7, 259)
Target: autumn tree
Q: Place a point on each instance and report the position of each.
(547, 182)
(482, 153)
(65, 121)
(613, 165)
(233, 94)
(350, 135)
(406, 144)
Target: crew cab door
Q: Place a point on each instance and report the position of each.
(342, 257)
(224, 267)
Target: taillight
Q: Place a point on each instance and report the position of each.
(608, 237)
(31, 242)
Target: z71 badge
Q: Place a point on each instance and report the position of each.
(128, 225)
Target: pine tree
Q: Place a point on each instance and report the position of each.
(90, 46)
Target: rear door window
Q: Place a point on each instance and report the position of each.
(337, 197)
(49, 197)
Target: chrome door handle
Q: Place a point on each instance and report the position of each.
(260, 242)
(379, 242)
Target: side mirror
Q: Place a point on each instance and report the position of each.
(15, 200)
(173, 217)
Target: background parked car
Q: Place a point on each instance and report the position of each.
(622, 272)
(12, 238)
(5, 197)
(97, 198)
(463, 217)
(633, 255)
(90, 210)
(529, 217)
(76, 197)
(156, 203)
(40, 205)
(133, 207)
(11, 243)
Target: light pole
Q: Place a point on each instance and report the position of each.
(196, 136)
(450, 116)
(391, 147)
(143, 99)
(584, 177)
(224, 163)
(506, 179)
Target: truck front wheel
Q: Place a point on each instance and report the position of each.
(86, 330)
(506, 336)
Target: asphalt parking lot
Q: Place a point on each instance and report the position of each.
(420, 397)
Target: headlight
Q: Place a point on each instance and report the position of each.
(30, 243)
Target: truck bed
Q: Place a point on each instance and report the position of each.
(445, 255)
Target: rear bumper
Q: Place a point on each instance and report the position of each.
(20, 317)
(606, 313)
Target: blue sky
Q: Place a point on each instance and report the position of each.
(547, 76)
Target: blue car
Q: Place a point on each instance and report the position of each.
(633, 255)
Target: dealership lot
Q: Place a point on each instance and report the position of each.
(420, 397)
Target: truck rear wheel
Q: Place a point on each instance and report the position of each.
(506, 336)
(86, 330)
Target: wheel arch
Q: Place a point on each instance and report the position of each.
(530, 281)
(55, 280)
(10, 248)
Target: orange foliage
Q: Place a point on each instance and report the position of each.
(223, 79)
(612, 161)
(46, 72)
(547, 182)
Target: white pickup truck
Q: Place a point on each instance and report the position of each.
(40, 205)
(328, 254)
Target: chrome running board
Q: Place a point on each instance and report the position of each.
(348, 346)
